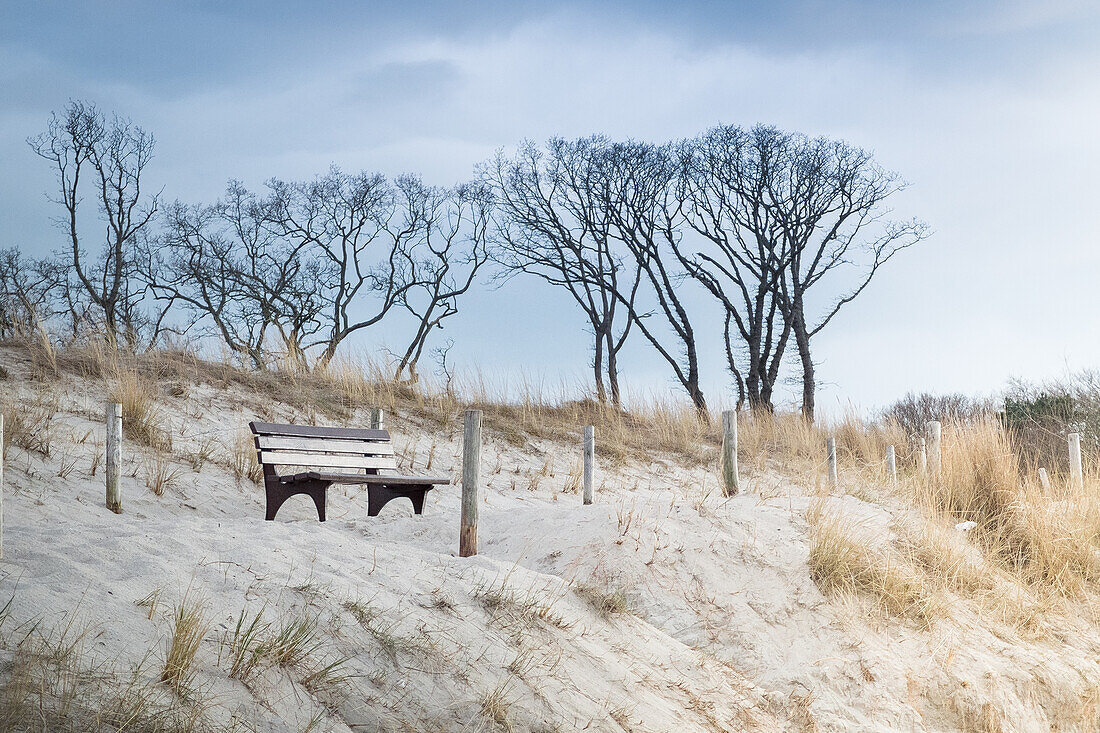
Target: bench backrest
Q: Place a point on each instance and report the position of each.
(307, 445)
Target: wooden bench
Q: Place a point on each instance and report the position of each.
(321, 450)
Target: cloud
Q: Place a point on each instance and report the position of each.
(1001, 162)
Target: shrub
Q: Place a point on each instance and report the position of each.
(913, 411)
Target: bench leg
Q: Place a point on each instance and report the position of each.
(318, 495)
(277, 494)
(378, 496)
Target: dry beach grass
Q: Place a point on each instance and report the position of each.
(791, 606)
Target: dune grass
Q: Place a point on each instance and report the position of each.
(845, 557)
(189, 627)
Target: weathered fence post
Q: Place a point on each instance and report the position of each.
(376, 419)
(830, 446)
(923, 457)
(891, 464)
(114, 456)
(1044, 480)
(1075, 471)
(935, 454)
(589, 461)
(471, 468)
(730, 479)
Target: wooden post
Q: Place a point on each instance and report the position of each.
(376, 416)
(114, 456)
(923, 457)
(891, 464)
(589, 461)
(471, 468)
(1076, 474)
(830, 446)
(1044, 480)
(935, 456)
(730, 482)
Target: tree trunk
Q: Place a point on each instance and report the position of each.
(597, 367)
(802, 339)
(699, 401)
(613, 372)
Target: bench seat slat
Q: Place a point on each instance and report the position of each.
(345, 478)
(288, 458)
(311, 431)
(360, 447)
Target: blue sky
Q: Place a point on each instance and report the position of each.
(991, 110)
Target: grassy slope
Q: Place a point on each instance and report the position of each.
(662, 606)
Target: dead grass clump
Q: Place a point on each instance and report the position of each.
(944, 554)
(142, 420)
(189, 627)
(517, 610)
(1049, 540)
(865, 444)
(242, 460)
(43, 353)
(607, 602)
(496, 708)
(160, 474)
(53, 683)
(29, 424)
(763, 435)
(844, 558)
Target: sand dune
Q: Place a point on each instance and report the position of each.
(661, 607)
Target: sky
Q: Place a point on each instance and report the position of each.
(990, 111)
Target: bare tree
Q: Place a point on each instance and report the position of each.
(451, 250)
(828, 199)
(229, 267)
(113, 156)
(637, 187)
(728, 175)
(363, 229)
(554, 225)
(31, 291)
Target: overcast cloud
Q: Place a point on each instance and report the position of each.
(990, 110)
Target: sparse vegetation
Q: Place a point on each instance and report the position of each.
(605, 601)
(1031, 555)
(189, 627)
(160, 473)
(847, 559)
(142, 420)
(29, 423)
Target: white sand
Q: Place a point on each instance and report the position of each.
(726, 630)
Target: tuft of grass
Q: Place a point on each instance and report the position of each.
(607, 602)
(254, 645)
(54, 683)
(246, 646)
(203, 453)
(844, 558)
(141, 418)
(28, 424)
(188, 630)
(293, 641)
(242, 460)
(496, 707)
(160, 474)
(517, 610)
